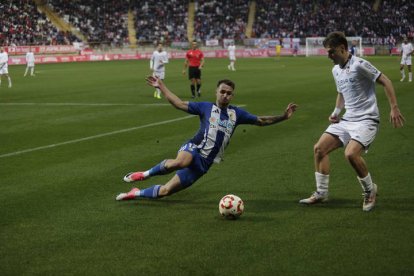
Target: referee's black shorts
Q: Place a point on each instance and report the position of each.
(194, 73)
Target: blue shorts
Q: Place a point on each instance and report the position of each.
(196, 169)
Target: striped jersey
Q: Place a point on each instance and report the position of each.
(216, 128)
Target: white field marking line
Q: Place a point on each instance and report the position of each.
(94, 137)
(98, 136)
(81, 104)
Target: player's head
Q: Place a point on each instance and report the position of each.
(194, 45)
(337, 47)
(335, 39)
(1, 49)
(405, 40)
(224, 92)
(159, 47)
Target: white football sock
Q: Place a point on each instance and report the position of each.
(366, 182)
(402, 73)
(410, 76)
(322, 182)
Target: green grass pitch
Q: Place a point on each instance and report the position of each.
(69, 135)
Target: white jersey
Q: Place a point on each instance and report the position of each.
(405, 57)
(232, 52)
(4, 58)
(30, 58)
(158, 59)
(406, 49)
(356, 82)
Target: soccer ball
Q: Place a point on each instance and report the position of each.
(231, 207)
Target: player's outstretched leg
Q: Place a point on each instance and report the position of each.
(151, 192)
(134, 176)
(158, 169)
(128, 196)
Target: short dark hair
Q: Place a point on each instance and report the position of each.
(335, 39)
(226, 82)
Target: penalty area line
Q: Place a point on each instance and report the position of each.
(94, 137)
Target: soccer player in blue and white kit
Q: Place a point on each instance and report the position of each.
(355, 81)
(217, 123)
(157, 65)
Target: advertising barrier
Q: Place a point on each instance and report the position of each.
(90, 56)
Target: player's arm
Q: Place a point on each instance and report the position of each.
(201, 63)
(152, 63)
(185, 65)
(170, 96)
(396, 118)
(270, 120)
(340, 103)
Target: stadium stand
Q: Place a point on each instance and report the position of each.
(103, 21)
(221, 19)
(22, 24)
(158, 20)
(113, 22)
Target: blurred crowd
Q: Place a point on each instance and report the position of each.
(307, 18)
(106, 21)
(22, 24)
(220, 19)
(158, 20)
(100, 21)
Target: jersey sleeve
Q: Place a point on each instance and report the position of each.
(368, 70)
(195, 108)
(245, 118)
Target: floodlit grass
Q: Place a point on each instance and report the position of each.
(70, 134)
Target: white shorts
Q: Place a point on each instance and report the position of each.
(159, 74)
(363, 132)
(30, 64)
(4, 70)
(232, 57)
(406, 60)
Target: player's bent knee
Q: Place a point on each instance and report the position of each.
(318, 152)
(351, 155)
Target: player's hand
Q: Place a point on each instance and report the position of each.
(334, 119)
(153, 81)
(290, 109)
(396, 118)
(184, 72)
(200, 67)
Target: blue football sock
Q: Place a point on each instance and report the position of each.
(151, 192)
(159, 169)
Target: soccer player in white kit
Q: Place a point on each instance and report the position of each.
(355, 81)
(30, 60)
(406, 53)
(4, 71)
(232, 56)
(157, 65)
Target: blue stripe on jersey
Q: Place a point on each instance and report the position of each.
(216, 127)
(219, 139)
